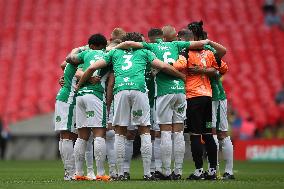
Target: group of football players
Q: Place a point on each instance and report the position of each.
(161, 89)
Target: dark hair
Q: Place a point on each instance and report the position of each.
(205, 35)
(197, 29)
(132, 36)
(153, 32)
(185, 33)
(98, 40)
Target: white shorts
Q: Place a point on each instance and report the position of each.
(110, 118)
(64, 116)
(131, 107)
(90, 111)
(171, 108)
(219, 115)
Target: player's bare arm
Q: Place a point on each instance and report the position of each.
(79, 73)
(89, 72)
(210, 72)
(93, 80)
(129, 44)
(167, 68)
(109, 91)
(63, 65)
(72, 58)
(220, 49)
(198, 44)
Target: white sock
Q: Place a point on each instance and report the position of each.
(157, 154)
(227, 149)
(217, 144)
(166, 151)
(68, 154)
(128, 155)
(146, 152)
(60, 152)
(89, 156)
(179, 150)
(79, 152)
(100, 154)
(119, 148)
(110, 152)
(152, 166)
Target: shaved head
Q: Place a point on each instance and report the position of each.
(169, 33)
(117, 33)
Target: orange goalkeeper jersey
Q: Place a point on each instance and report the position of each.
(198, 84)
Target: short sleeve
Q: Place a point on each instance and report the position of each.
(81, 55)
(182, 45)
(150, 56)
(80, 66)
(108, 56)
(146, 45)
(210, 48)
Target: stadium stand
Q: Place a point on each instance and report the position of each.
(37, 35)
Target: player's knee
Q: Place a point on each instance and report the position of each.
(157, 134)
(131, 134)
(110, 134)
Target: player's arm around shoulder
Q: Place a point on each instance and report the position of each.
(109, 90)
(79, 73)
(167, 68)
(129, 44)
(89, 72)
(76, 56)
(220, 49)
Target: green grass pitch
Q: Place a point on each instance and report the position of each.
(49, 174)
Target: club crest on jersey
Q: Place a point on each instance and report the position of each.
(58, 119)
(90, 114)
(137, 113)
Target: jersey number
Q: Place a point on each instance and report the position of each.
(127, 62)
(166, 59)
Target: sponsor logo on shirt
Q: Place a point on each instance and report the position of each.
(163, 48)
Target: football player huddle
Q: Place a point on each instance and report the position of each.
(160, 89)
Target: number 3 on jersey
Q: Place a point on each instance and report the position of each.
(166, 59)
(127, 62)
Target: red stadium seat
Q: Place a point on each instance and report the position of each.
(36, 38)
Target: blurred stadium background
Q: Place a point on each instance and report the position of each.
(36, 36)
